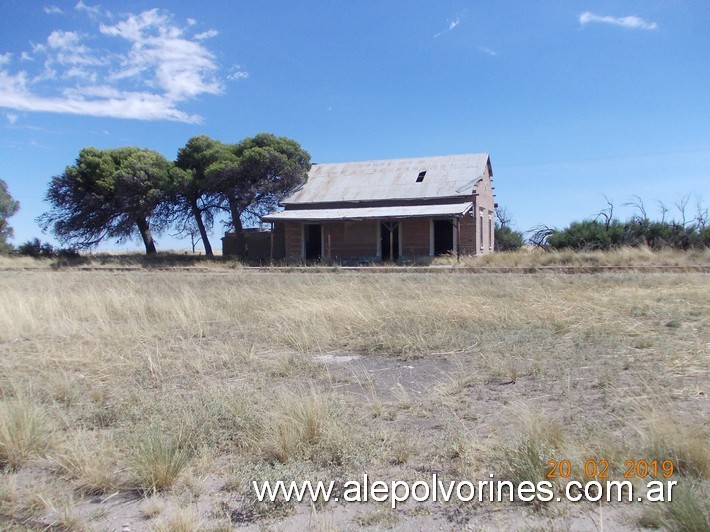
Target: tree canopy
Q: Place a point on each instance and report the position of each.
(245, 180)
(125, 192)
(190, 191)
(249, 178)
(267, 169)
(113, 193)
(8, 207)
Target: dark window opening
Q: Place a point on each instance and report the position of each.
(420, 177)
(443, 237)
(312, 234)
(389, 241)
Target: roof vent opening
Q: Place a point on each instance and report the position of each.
(420, 177)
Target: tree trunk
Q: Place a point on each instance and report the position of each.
(201, 226)
(238, 231)
(146, 235)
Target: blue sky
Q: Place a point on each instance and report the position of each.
(574, 100)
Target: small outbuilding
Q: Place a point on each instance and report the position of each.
(389, 210)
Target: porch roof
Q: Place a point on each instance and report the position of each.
(369, 213)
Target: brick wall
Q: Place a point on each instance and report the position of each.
(229, 245)
(260, 244)
(468, 235)
(351, 239)
(415, 237)
(292, 240)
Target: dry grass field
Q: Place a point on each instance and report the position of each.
(149, 400)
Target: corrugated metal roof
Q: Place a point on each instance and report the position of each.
(446, 176)
(361, 213)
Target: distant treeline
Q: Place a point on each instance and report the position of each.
(634, 232)
(605, 232)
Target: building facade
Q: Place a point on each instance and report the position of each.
(389, 210)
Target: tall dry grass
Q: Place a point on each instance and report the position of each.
(24, 432)
(392, 314)
(143, 372)
(621, 257)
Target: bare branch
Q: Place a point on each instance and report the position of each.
(539, 235)
(681, 205)
(637, 204)
(664, 210)
(701, 213)
(607, 214)
(503, 217)
(188, 228)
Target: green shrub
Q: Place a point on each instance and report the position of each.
(595, 235)
(588, 235)
(36, 249)
(507, 239)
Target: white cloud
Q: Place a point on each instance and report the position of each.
(138, 105)
(487, 51)
(141, 67)
(452, 25)
(236, 72)
(67, 50)
(181, 67)
(53, 10)
(91, 10)
(206, 35)
(632, 21)
(63, 39)
(11, 118)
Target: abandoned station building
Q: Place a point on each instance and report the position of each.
(389, 210)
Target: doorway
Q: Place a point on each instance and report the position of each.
(312, 233)
(443, 237)
(389, 241)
